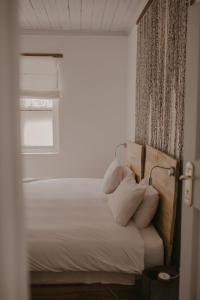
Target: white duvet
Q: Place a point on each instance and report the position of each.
(70, 228)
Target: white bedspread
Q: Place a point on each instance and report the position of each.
(70, 228)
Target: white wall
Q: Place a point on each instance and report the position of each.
(93, 111)
(131, 95)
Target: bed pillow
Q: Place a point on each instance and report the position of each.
(147, 209)
(127, 171)
(112, 177)
(125, 200)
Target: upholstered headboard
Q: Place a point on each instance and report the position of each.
(135, 158)
(167, 188)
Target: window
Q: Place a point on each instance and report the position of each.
(40, 93)
(39, 125)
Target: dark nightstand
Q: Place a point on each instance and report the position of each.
(155, 288)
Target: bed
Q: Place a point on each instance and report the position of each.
(73, 239)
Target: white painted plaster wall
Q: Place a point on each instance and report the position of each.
(93, 109)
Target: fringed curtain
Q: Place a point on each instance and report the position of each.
(161, 57)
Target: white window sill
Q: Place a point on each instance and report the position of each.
(48, 150)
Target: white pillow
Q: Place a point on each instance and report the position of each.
(127, 171)
(112, 177)
(147, 209)
(125, 200)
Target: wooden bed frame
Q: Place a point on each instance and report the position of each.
(135, 159)
(141, 160)
(164, 221)
(166, 185)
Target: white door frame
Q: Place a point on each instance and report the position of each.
(13, 270)
(190, 238)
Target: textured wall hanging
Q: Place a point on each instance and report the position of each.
(161, 57)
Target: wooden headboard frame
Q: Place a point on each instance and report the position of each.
(135, 158)
(167, 188)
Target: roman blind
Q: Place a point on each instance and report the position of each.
(40, 77)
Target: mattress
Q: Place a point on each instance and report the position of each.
(72, 235)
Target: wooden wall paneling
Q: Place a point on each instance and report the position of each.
(167, 188)
(135, 158)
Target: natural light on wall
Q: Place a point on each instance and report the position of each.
(40, 94)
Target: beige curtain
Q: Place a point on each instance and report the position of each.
(161, 57)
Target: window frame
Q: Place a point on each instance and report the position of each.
(54, 149)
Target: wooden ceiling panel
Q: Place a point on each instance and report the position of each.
(75, 7)
(87, 14)
(121, 14)
(63, 14)
(99, 8)
(110, 14)
(80, 16)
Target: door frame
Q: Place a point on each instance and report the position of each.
(13, 276)
(190, 218)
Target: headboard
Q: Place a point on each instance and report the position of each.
(135, 158)
(167, 188)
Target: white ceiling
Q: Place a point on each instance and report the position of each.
(78, 16)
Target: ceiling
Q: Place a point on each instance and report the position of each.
(78, 16)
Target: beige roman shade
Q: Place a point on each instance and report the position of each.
(40, 77)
